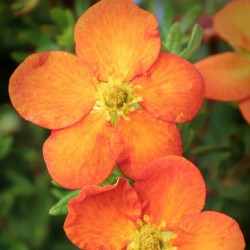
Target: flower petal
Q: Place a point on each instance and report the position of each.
(116, 37)
(79, 155)
(52, 89)
(226, 76)
(232, 23)
(98, 217)
(170, 188)
(209, 230)
(142, 139)
(173, 89)
(244, 107)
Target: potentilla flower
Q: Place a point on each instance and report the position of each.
(116, 102)
(161, 211)
(227, 75)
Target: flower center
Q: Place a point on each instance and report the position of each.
(147, 236)
(116, 99)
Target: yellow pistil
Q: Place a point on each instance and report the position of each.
(116, 99)
(147, 236)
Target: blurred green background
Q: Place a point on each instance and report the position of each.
(217, 140)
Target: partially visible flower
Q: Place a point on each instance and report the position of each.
(117, 101)
(161, 211)
(227, 75)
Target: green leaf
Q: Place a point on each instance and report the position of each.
(188, 136)
(189, 19)
(237, 191)
(48, 46)
(59, 193)
(208, 149)
(149, 5)
(9, 120)
(38, 38)
(55, 184)
(5, 145)
(115, 175)
(19, 56)
(18, 246)
(61, 207)
(173, 40)
(81, 6)
(21, 7)
(194, 42)
(65, 20)
(66, 40)
(58, 17)
(70, 18)
(168, 18)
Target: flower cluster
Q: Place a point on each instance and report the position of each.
(161, 211)
(117, 102)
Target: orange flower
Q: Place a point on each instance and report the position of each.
(116, 102)
(161, 211)
(227, 75)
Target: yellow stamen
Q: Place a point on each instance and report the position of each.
(116, 99)
(147, 236)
